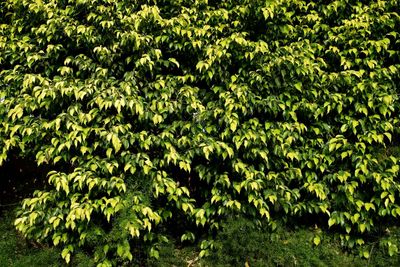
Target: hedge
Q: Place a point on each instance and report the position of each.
(159, 114)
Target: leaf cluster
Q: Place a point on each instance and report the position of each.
(152, 113)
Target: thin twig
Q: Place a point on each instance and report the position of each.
(370, 254)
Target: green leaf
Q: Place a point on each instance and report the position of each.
(116, 142)
(317, 240)
(331, 222)
(362, 227)
(393, 249)
(298, 86)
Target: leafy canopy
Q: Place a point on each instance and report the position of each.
(152, 113)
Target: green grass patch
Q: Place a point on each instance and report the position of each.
(242, 242)
(15, 251)
(238, 243)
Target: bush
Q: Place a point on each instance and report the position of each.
(160, 113)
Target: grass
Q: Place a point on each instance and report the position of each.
(238, 244)
(241, 244)
(15, 251)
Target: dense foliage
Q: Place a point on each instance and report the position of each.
(157, 113)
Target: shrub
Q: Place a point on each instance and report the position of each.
(155, 113)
